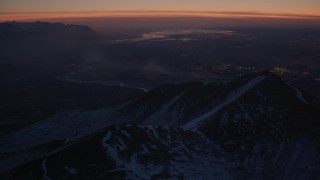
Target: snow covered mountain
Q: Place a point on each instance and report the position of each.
(134, 152)
(256, 127)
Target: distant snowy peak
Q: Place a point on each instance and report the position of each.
(37, 27)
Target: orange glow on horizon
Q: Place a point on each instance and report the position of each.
(42, 16)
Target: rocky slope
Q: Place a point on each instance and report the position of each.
(256, 127)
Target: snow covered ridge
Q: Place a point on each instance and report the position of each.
(65, 127)
(161, 152)
(299, 94)
(135, 152)
(194, 124)
(247, 119)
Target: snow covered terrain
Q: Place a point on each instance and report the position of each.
(232, 97)
(256, 127)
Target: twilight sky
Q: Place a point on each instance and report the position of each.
(310, 7)
(28, 10)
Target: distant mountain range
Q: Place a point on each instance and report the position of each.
(257, 127)
(43, 46)
(9, 28)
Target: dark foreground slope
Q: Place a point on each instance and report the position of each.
(256, 127)
(273, 130)
(133, 152)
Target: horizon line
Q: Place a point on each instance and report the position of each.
(23, 16)
(168, 11)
